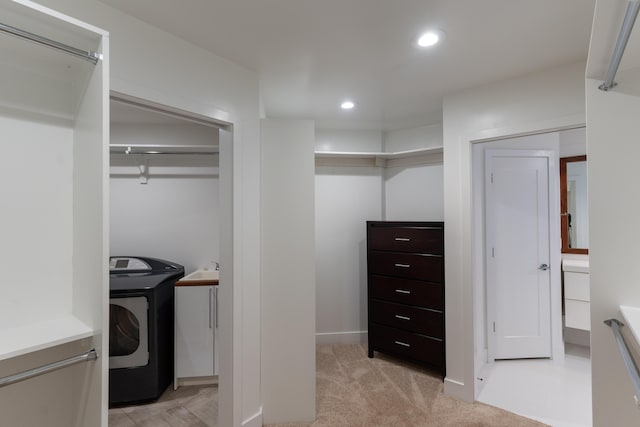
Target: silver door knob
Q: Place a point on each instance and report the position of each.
(543, 267)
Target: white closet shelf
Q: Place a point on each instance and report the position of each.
(378, 155)
(36, 336)
(631, 317)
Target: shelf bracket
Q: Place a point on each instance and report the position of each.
(143, 165)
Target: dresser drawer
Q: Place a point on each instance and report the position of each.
(409, 266)
(407, 239)
(407, 291)
(418, 347)
(414, 319)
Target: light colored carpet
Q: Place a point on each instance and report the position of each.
(355, 391)
(352, 391)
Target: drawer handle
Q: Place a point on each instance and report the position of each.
(402, 291)
(403, 265)
(402, 317)
(402, 239)
(404, 344)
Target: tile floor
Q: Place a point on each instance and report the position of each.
(189, 406)
(554, 393)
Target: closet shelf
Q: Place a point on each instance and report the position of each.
(36, 336)
(378, 155)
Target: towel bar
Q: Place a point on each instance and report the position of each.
(30, 373)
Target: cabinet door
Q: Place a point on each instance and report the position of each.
(195, 323)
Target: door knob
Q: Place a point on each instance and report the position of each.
(543, 267)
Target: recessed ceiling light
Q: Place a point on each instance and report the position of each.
(347, 105)
(430, 38)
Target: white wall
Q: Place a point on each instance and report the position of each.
(613, 235)
(175, 216)
(288, 271)
(413, 138)
(153, 65)
(541, 101)
(346, 197)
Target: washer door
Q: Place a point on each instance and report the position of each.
(128, 332)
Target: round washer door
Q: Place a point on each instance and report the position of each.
(128, 332)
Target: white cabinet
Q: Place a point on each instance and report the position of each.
(576, 294)
(196, 323)
(53, 183)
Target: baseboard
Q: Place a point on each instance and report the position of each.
(351, 337)
(197, 381)
(577, 336)
(254, 420)
(458, 389)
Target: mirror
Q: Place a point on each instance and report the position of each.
(574, 219)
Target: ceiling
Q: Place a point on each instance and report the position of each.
(310, 55)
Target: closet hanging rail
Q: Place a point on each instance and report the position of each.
(615, 325)
(88, 55)
(25, 375)
(625, 31)
(163, 149)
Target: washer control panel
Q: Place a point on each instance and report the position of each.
(127, 264)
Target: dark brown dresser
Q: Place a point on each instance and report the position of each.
(405, 267)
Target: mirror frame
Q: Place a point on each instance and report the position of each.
(563, 205)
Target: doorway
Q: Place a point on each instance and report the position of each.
(556, 388)
(171, 198)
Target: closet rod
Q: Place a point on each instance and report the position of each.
(45, 369)
(632, 369)
(625, 31)
(84, 54)
(162, 149)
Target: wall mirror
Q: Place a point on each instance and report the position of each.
(574, 211)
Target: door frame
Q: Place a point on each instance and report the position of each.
(477, 250)
(230, 306)
(491, 304)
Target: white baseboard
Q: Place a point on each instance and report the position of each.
(351, 337)
(457, 389)
(254, 421)
(577, 336)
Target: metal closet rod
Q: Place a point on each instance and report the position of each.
(632, 369)
(45, 369)
(163, 149)
(625, 31)
(88, 55)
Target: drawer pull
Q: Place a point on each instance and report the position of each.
(404, 344)
(403, 265)
(403, 291)
(402, 239)
(402, 317)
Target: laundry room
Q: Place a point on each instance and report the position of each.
(164, 180)
(164, 252)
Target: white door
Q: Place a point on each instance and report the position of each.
(517, 254)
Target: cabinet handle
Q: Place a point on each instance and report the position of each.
(402, 291)
(404, 344)
(210, 306)
(402, 317)
(402, 239)
(216, 299)
(403, 265)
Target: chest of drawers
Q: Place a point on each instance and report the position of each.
(405, 268)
